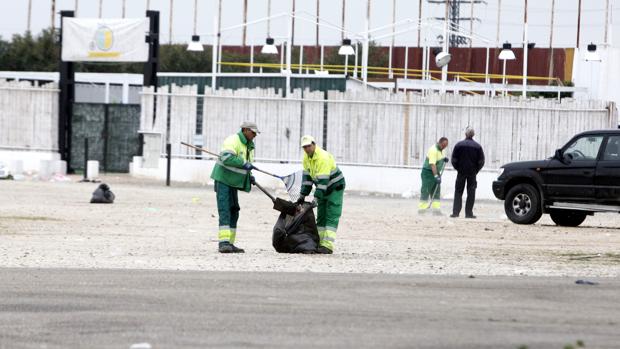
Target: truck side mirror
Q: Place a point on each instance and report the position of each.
(558, 155)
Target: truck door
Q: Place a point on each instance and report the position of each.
(607, 178)
(573, 180)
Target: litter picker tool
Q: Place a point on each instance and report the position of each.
(430, 199)
(292, 182)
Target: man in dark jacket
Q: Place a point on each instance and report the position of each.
(467, 160)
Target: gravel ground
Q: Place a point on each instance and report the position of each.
(52, 225)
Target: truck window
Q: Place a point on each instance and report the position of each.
(584, 148)
(612, 149)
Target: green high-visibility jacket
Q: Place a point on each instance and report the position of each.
(321, 170)
(236, 151)
(434, 156)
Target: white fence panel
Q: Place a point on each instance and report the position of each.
(28, 116)
(378, 127)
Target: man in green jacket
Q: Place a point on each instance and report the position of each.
(431, 172)
(320, 169)
(232, 173)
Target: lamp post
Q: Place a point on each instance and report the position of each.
(345, 50)
(506, 55)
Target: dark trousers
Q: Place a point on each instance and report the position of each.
(461, 179)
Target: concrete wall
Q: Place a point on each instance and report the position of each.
(362, 179)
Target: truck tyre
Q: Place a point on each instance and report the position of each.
(568, 218)
(522, 204)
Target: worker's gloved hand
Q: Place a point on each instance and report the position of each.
(248, 166)
(252, 180)
(446, 160)
(301, 200)
(438, 179)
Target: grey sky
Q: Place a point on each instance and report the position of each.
(13, 18)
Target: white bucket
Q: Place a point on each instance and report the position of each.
(45, 169)
(92, 167)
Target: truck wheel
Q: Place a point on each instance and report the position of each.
(522, 204)
(568, 218)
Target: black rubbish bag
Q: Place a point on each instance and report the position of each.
(296, 233)
(102, 195)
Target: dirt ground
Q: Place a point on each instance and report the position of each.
(44, 224)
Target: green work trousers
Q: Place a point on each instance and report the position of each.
(328, 215)
(228, 210)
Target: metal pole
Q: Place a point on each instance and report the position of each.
(170, 21)
(366, 46)
(551, 40)
(124, 8)
(85, 158)
(301, 58)
(100, 7)
(318, 8)
(471, 24)
(578, 22)
(486, 66)
(268, 18)
(344, 6)
(29, 15)
(148, 5)
(504, 78)
(525, 52)
(419, 20)
(168, 162)
(390, 74)
(251, 58)
(355, 68)
(606, 40)
(289, 47)
(219, 33)
(322, 56)
(245, 21)
(499, 14)
(346, 65)
(53, 13)
(76, 6)
(195, 15)
(444, 69)
(293, 25)
(214, 55)
(406, 60)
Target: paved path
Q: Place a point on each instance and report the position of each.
(65, 308)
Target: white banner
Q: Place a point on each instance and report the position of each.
(104, 40)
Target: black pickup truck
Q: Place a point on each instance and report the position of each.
(582, 178)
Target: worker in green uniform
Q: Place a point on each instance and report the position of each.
(232, 173)
(432, 169)
(320, 169)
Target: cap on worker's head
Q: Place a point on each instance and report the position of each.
(307, 140)
(251, 125)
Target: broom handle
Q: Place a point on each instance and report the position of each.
(217, 155)
(201, 149)
(265, 191)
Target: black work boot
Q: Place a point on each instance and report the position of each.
(323, 250)
(237, 249)
(227, 247)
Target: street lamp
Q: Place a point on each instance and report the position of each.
(345, 50)
(506, 55)
(592, 54)
(195, 44)
(269, 48)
